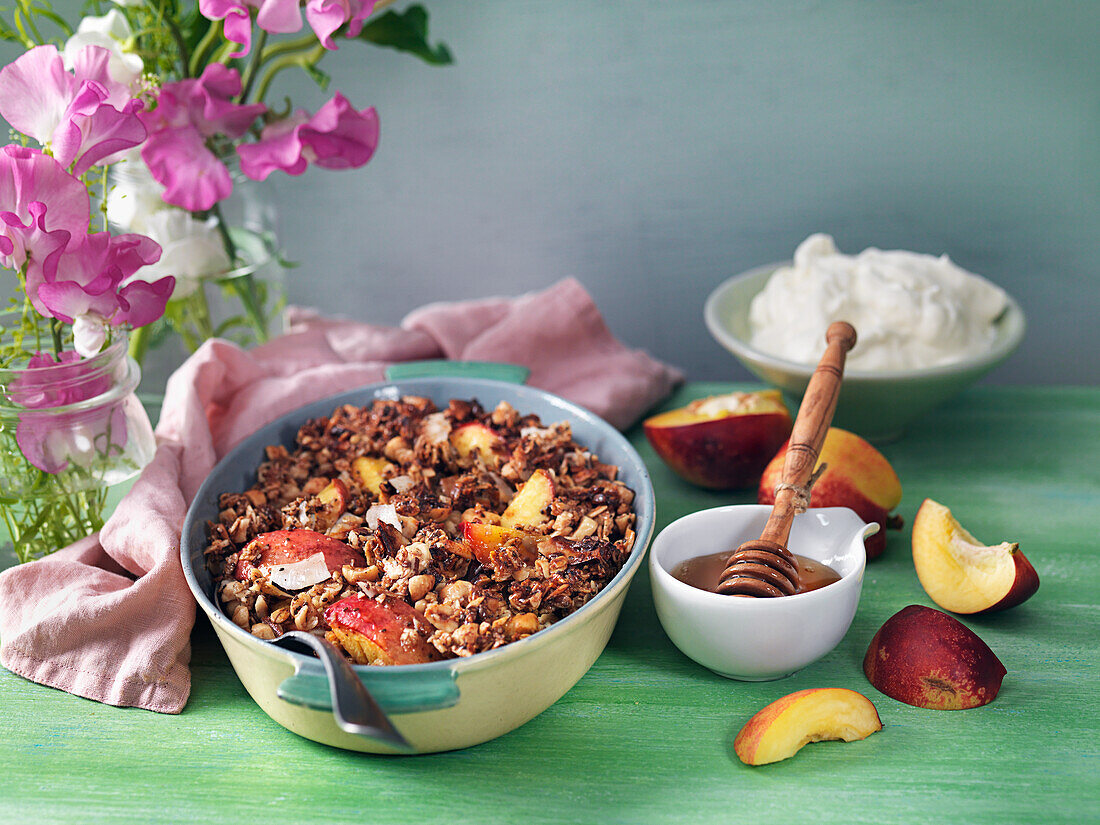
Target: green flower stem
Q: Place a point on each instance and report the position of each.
(55, 331)
(245, 287)
(201, 318)
(57, 20)
(287, 61)
(24, 19)
(222, 54)
(289, 47)
(204, 48)
(223, 230)
(139, 343)
(253, 66)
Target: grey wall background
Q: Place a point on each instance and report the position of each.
(652, 149)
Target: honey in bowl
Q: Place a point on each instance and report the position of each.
(704, 572)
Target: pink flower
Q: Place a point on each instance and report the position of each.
(285, 16)
(187, 113)
(84, 117)
(92, 280)
(337, 137)
(44, 214)
(43, 209)
(326, 16)
(275, 16)
(48, 438)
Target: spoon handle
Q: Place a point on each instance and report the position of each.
(815, 414)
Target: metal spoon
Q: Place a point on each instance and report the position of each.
(352, 705)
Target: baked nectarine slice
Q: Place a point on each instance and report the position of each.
(961, 574)
(721, 442)
(857, 476)
(476, 438)
(368, 471)
(781, 729)
(334, 500)
(926, 658)
(483, 539)
(282, 547)
(530, 505)
(380, 633)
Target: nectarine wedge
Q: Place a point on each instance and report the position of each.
(721, 442)
(484, 539)
(384, 633)
(531, 504)
(857, 477)
(368, 471)
(476, 438)
(782, 728)
(961, 574)
(925, 658)
(334, 499)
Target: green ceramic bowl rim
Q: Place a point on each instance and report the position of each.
(1011, 327)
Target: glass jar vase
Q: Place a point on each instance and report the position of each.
(225, 260)
(69, 432)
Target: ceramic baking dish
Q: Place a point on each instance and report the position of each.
(441, 705)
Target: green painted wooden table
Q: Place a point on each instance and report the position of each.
(647, 735)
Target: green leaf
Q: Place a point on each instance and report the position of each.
(407, 32)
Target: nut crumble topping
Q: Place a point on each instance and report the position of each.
(466, 529)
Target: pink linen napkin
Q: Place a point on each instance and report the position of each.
(109, 617)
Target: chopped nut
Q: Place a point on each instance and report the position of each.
(522, 625)
(457, 592)
(257, 497)
(419, 586)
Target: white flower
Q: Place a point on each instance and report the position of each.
(135, 196)
(191, 250)
(111, 31)
(89, 334)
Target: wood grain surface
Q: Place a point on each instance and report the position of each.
(647, 735)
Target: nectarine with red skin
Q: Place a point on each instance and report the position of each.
(288, 546)
(388, 632)
(781, 729)
(722, 442)
(857, 476)
(923, 657)
(961, 574)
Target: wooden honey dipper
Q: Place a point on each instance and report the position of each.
(765, 567)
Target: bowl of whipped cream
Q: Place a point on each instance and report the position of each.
(927, 328)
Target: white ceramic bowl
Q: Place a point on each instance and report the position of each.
(876, 405)
(759, 639)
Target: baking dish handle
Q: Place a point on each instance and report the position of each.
(394, 691)
(442, 368)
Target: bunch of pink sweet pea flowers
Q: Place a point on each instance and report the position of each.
(107, 96)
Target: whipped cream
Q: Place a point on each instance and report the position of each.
(910, 310)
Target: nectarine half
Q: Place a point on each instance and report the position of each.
(857, 476)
